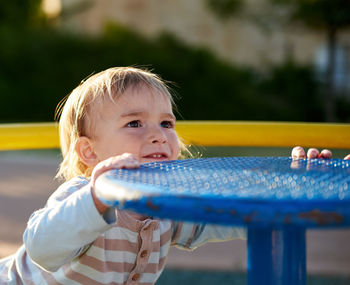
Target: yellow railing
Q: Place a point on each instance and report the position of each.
(208, 133)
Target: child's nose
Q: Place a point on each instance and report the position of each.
(157, 135)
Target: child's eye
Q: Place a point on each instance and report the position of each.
(134, 124)
(167, 124)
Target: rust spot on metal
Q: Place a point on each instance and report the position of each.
(208, 209)
(217, 211)
(250, 217)
(150, 205)
(287, 219)
(322, 218)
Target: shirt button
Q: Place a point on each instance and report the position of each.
(135, 277)
(144, 253)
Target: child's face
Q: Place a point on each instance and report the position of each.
(140, 122)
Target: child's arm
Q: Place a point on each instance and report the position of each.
(189, 236)
(72, 219)
(59, 232)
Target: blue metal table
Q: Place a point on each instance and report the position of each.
(277, 199)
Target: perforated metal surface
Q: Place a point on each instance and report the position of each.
(236, 190)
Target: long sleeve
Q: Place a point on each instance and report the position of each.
(190, 236)
(67, 225)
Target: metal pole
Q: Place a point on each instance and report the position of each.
(276, 256)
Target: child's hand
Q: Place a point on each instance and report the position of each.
(126, 160)
(299, 152)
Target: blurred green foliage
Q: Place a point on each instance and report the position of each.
(40, 65)
(330, 16)
(322, 14)
(20, 13)
(225, 8)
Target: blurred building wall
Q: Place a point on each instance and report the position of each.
(239, 40)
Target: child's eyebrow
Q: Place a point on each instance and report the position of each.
(169, 115)
(142, 114)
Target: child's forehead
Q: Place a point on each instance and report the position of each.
(140, 94)
(134, 97)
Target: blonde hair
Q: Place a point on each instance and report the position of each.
(110, 83)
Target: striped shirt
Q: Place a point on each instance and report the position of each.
(69, 242)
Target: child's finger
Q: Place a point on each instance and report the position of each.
(347, 157)
(126, 160)
(313, 153)
(96, 173)
(130, 163)
(298, 152)
(326, 153)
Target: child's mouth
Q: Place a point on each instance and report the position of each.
(158, 156)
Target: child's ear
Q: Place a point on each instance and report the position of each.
(85, 151)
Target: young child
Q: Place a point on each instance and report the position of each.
(118, 118)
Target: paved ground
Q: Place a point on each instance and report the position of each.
(26, 181)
